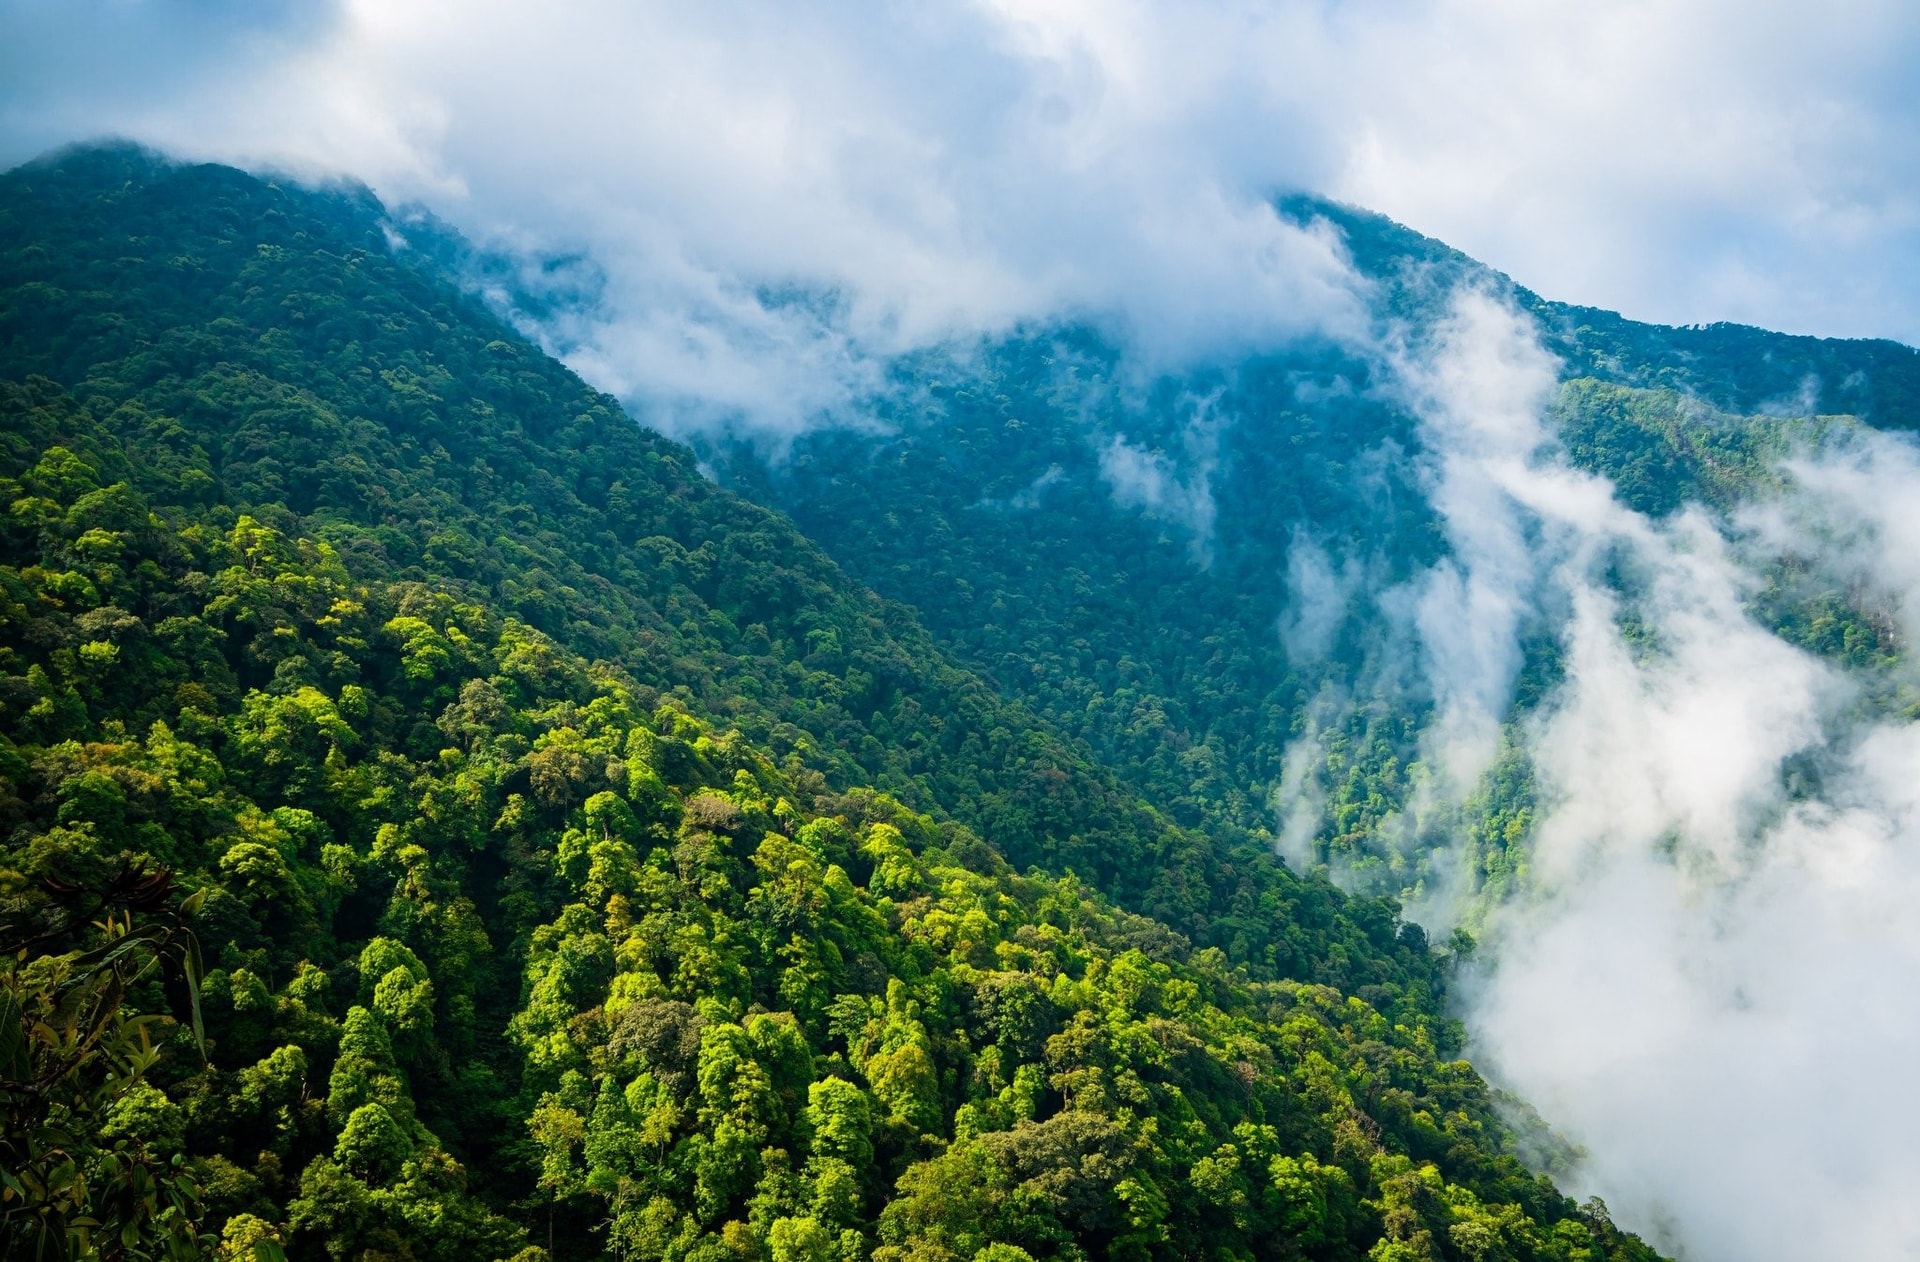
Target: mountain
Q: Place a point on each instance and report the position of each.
(440, 823)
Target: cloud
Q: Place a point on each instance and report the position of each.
(1319, 600)
(1300, 799)
(1479, 389)
(1855, 519)
(1176, 490)
(1696, 982)
(1709, 160)
(928, 172)
(915, 175)
(1029, 497)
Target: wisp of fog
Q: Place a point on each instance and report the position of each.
(1703, 981)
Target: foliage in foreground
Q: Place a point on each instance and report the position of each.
(744, 1014)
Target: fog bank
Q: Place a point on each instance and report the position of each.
(1701, 980)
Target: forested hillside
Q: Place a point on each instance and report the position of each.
(440, 824)
(261, 349)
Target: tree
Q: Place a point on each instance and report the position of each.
(89, 1156)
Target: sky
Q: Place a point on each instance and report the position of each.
(945, 168)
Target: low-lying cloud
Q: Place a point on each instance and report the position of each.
(1700, 980)
(779, 199)
(1174, 488)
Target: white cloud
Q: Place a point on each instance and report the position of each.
(1858, 513)
(1699, 980)
(942, 169)
(1173, 488)
(936, 172)
(1318, 600)
(1479, 383)
(1717, 159)
(1300, 798)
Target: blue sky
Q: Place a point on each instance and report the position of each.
(949, 167)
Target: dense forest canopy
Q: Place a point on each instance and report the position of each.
(439, 823)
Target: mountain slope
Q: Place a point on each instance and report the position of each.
(1734, 367)
(265, 352)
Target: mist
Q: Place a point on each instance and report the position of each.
(1699, 982)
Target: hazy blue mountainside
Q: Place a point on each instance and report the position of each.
(437, 823)
(1198, 574)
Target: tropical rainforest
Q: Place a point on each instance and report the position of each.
(441, 822)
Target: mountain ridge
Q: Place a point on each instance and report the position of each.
(869, 658)
(1748, 366)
